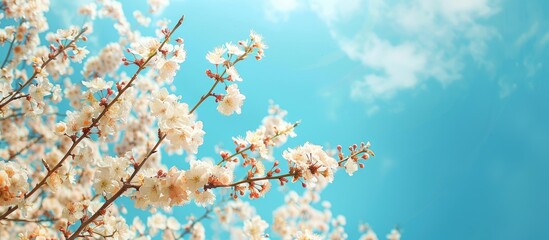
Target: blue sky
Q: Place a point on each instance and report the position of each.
(452, 95)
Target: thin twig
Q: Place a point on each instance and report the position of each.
(127, 183)
(95, 121)
(190, 227)
(30, 220)
(217, 80)
(40, 69)
(278, 134)
(119, 193)
(29, 145)
(249, 180)
(9, 52)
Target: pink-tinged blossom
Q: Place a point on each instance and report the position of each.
(234, 49)
(216, 56)
(393, 235)
(255, 228)
(97, 84)
(233, 74)
(167, 70)
(13, 182)
(141, 19)
(157, 6)
(311, 162)
(79, 54)
(351, 166)
(145, 47)
(232, 101)
(89, 10)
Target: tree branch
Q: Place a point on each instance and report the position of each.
(37, 71)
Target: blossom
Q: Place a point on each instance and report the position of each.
(173, 224)
(56, 94)
(60, 128)
(233, 74)
(198, 232)
(104, 182)
(369, 235)
(351, 166)
(156, 222)
(97, 84)
(197, 176)
(179, 53)
(157, 5)
(204, 198)
(145, 47)
(216, 56)
(393, 235)
(311, 162)
(255, 228)
(167, 70)
(234, 49)
(306, 235)
(79, 54)
(232, 101)
(40, 90)
(67, 33)
(88, 9)
(152, 189)
(257, 140)
(141, 19)
(73, 211)
(13, 183)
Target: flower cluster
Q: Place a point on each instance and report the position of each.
(311, 163)
(227, 56)
(174, 119)
(13, 183)
(81, 127)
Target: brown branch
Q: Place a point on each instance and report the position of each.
(363, 150)
(38, 221)
(37, 139)
(234, 154)
(217, 80)
(127, 183)
(9, 52)
(30, 220)
(190, 227)
(250, 147)
(11, 46)
(291, 174)
(95, 121)
(20, 114)
(37, 71)
(249, 180)
(119, 193)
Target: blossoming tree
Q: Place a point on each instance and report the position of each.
(74, 143)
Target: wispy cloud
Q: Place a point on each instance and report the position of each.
(404, 44)
(529, 34)
(506, 87)
(544, 40)
(280, 10)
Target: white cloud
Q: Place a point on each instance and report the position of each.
(532, 68)
(415, 41)
(280, 10)
(544, 40)
(506, 88)
(399, 66)
(334, 10)
(404, 44)
(529, 34)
